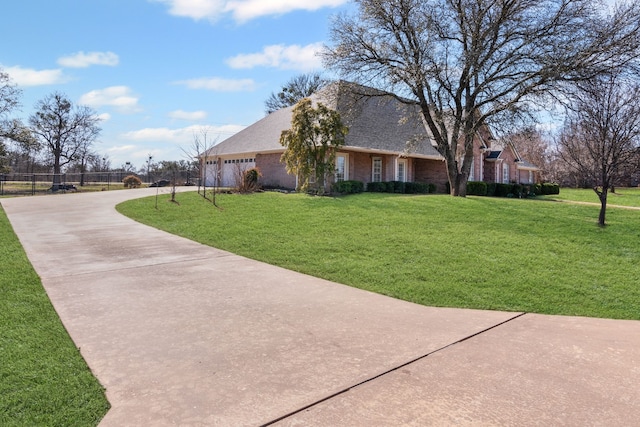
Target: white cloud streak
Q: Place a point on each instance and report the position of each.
(292, 57)
(121, 149)
(30, 77)
(83, 60)
(188, 115)
(182, 136)
(243, 10)
(219, 84)
(246, 10)
(119, 97)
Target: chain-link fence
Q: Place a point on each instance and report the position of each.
(43, 183)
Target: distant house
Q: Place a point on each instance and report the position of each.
(386, 142)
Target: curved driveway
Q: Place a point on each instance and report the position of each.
(183, 334)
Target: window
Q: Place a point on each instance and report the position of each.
(472, 170)
(401, 170)
(342, 167)
(376, 172)
(505, 173)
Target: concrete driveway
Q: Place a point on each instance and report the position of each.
(182, 334)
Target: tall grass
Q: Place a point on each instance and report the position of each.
(485, 253)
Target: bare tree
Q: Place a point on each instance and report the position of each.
(201, 148)
(9, 100)
(468, 63)
(297, 88)
(532, 146)
(9, 95)
(63, 129)
(602, 133)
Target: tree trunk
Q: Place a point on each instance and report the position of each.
(602, 195)
(457, 183)
(56, 172)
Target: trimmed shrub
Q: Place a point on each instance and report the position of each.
(418, 188)
(516, 190)
(528, 191)
(476, 188)
(376, 187)
(549, 188)
(503, 190)
(396, 187)
(491, 189)
(348, 187)
(401, 187)
(131, 181)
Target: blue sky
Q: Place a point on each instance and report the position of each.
(158, 71)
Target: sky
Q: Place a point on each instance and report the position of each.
(158, 72)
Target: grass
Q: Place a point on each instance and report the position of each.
(44, 381)
(484, 253)
(622, 196)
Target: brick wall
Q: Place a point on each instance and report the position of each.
(432, 172)
(274, 172)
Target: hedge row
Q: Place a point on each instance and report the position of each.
(474, 188)
(401, 187)
(479, 188)
(348, 187)
(353, 187)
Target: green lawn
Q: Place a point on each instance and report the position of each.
(622, 196)
(44, 381)
(487, 253)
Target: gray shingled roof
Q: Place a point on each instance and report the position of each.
(376, 123)
(261, 137)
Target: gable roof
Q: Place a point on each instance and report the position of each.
(377, 122)
(261, 137)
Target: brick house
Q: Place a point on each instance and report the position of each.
(386, 142)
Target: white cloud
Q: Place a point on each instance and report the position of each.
(104, 117)
(195, 9)
(121, 149)
(245, 10)
(188, 115)
(30, 77)
(219, 84)
(119, 97)
(83, 60)
(182, 135)
(293, 57)
(242, 10)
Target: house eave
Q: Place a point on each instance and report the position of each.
(527, 168)
(390, 153)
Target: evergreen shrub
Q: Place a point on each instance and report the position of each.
(476, 188)
(348, 187)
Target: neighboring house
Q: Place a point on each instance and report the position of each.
(386, 142)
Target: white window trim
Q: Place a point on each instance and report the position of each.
(405, 163)
(505, 173)
(346, 166)
(373, 169)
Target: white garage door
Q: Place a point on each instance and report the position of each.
(232, 170)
